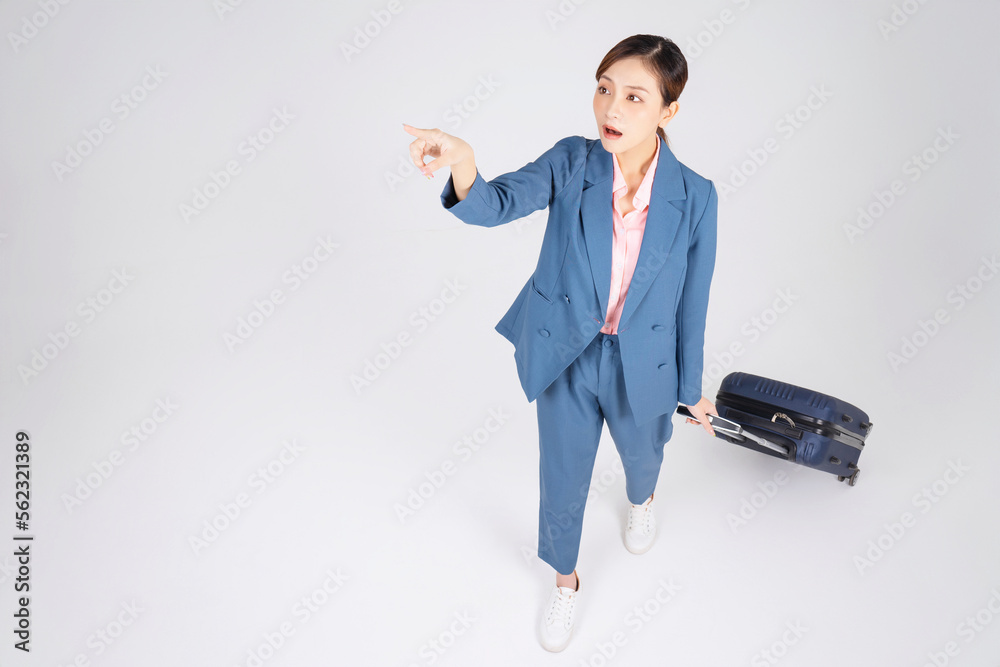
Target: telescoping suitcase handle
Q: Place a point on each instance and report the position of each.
(732, 428)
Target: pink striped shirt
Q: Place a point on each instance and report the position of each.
(627, 238)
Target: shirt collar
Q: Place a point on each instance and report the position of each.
(642, 194)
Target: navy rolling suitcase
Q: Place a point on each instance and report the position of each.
(792, 423)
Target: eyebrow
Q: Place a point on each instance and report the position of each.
(605, 76)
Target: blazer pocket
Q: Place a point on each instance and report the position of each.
(539, 292)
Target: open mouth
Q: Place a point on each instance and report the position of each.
(611, 132)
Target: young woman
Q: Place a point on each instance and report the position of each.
(626, 219)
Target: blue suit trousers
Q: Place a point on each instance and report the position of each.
(571, 413)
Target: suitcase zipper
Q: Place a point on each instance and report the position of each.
(802, 421)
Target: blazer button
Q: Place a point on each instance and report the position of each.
(544, 332)
(657, 327)
(660, 366)
(566, 296)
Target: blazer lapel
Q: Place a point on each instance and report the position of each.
(595, 208)
(662, 223)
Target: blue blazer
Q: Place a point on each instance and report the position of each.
(563, 304)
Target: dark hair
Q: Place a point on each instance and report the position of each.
(661, 57)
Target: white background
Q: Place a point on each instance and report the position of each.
(338, 173)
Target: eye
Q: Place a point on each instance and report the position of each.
(602, 90)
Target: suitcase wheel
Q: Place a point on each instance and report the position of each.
(852, 480)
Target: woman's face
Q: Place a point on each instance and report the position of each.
(628, 99)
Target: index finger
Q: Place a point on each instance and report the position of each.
(416, 131)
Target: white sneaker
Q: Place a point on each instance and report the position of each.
(557, 620)
(641, 527)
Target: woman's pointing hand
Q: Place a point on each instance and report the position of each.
(445, 148)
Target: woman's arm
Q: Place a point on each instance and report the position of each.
(693, 308)
(463, 175)
(508, 196)
(515, 194)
